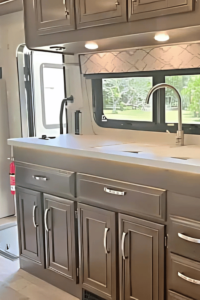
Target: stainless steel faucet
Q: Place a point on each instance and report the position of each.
(180, 132)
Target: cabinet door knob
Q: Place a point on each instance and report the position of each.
(188, 279)
(66, 13)
(105, 240)
(188, 238)
(117, 3)
(42, 178)
(113, 192)
(34, 222)
(123, 245)
(45, 219)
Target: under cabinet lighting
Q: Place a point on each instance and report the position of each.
(161, 37)
(91, 45)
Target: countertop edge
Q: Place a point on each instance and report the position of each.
(88, 153)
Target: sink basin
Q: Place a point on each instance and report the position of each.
(183, 153)
(182, 158)
(134, 152)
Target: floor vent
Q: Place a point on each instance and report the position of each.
(8, 255)
(89, 296)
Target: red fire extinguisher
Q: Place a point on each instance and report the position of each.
(12, 177)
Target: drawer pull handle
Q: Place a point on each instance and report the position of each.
(123, 245)
(45, 219)
(189, 239)
(34, 223)
(42, 178)
(194, 281)
(105, 240)
(117, 193)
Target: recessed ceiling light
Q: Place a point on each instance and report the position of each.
(91, 45)
(161, 37)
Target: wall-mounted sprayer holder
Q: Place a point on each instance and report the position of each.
(64, 105)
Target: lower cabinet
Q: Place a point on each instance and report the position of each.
(117, 256)
(30, 222)
(60, 236)
(141, 255)
(47, 233)
(141, 258)
(97, 242)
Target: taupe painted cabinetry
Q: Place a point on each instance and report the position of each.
(184, 246)
(60, 236)
(48, 226)
(135, 241)
(30, 224)
(10, 6)
(53, 22)
(95, 12)
(98, 250)
(53, 16)
(142, 256)
(144, 9)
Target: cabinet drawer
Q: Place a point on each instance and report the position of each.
(175, 296)
(123, 196)
(184, 276)
(48, 180)
(184, 237)
(183, 206)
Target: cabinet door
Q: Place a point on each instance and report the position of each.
(144, 9)
(100, 12)
(29, 207)
(141, 259)
(54, 15)
(97, 238)
(60, 236)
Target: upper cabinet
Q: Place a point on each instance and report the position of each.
(10, 6)
(68, 24)
(100, 12)
(144, 9)
(54, 16)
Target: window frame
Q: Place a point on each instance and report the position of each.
(158, 123)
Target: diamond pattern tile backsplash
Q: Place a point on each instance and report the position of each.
(148, 59)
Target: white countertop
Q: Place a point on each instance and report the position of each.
(106, 148)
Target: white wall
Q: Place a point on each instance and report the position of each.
(6, 199)
(11, 36)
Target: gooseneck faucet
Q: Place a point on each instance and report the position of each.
(180, 132)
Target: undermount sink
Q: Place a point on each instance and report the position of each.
(174, 157)
(134, 152)
(153, 150)
(181, 158)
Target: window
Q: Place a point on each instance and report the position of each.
(119, 100)
(53, 92)
(124, 98)
(189, 88)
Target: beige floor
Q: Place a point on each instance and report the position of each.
(16, 284)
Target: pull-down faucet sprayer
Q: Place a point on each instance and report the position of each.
(180, 132)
